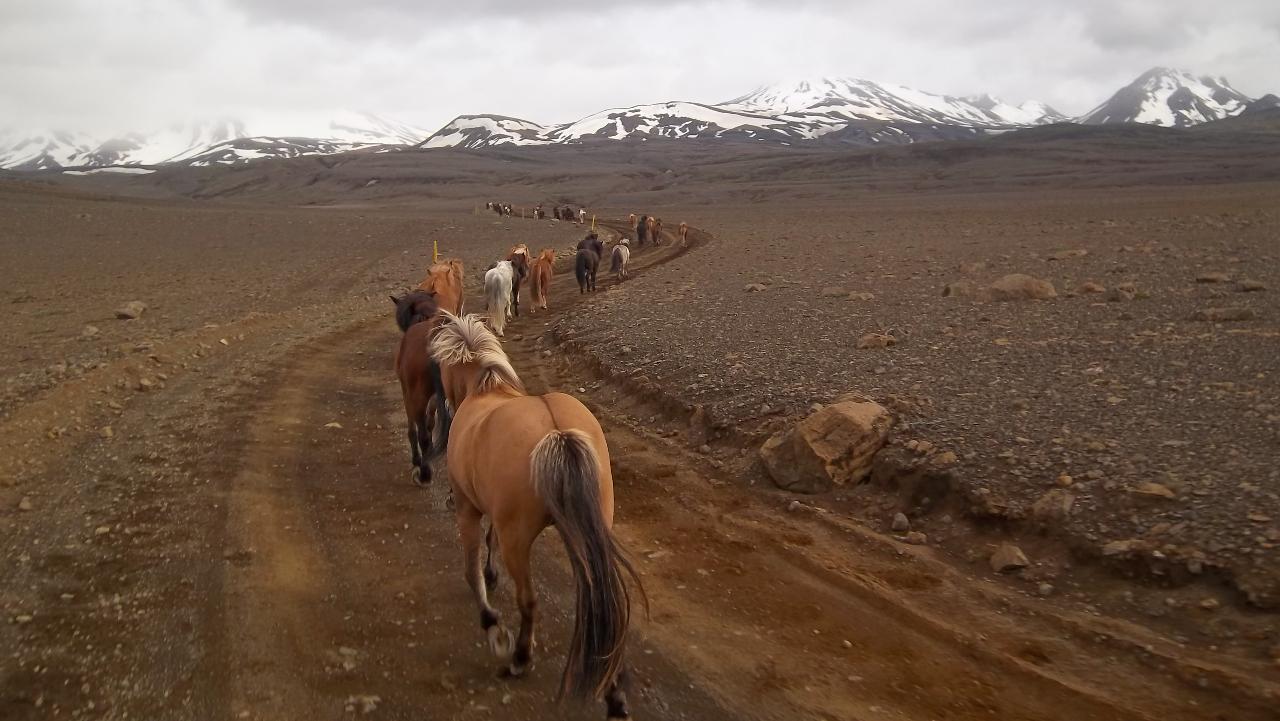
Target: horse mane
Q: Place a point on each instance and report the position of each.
(465, 339)
(413, 307)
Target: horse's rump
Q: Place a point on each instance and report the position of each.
(621, 255)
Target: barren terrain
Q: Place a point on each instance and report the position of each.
(206, 513)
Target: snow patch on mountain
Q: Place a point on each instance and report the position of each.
(1171, 98)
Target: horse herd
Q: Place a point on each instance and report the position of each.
(559, 212)
(524, 462)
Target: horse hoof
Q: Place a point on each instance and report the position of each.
(416, 477)
(514, 670)
(501, 642)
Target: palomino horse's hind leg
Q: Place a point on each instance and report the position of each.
(515, 555)
(616, 698)
(500, 640)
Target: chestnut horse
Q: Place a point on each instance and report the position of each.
(632, 220)
(529, 462)
(416, 314)
(655, 230)
(444, 280)
(684, 233)
(541, 282)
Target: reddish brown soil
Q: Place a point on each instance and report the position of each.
(226, 553)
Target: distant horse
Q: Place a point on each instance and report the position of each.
(542, 268)
(621, 256)
(684, 233)
(655, 230)
(566, 213)
(642, 227)
(529, 462)
(444, 279)
(582, 216)
(586, 264)
(519, 257)
(496, 207)
(632, 220)
(539, 213)
(416, 315)
(497, 294)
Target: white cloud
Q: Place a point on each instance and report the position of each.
(138, 64)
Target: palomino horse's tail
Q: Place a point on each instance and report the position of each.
(566, 475)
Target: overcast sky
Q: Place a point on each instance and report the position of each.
(107, 65)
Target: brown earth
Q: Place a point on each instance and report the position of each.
(225, 552)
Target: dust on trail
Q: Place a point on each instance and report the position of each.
(306, 577)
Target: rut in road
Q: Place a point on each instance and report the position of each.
(345, 590)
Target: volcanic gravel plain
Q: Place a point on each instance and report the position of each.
(205, 512)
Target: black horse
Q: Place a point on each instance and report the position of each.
(642, 229)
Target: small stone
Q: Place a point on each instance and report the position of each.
(832, 291)
(1252, 286)
(876, 340)
(22, 618)
(24, 504)
(1007, 558)
(1210, 604)
(917, 538)
(754, 288)
(861, 296)
(794, 506)
(131, 310)
(1045, 589)
(1214, 277)
(145, 384)
(1065, 481)
(846, 644)
(89, 331)
(945, 458)
(333, 424)
(102, 530)
(1154, 489)
(901, 523)
(704, 449)
(107, 432)
(1090, 288)
(1224, 315)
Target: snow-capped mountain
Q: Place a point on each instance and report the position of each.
(1172, 98)
(207, 142)
(842, 109)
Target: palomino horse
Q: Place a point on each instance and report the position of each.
(632, 220)
(621, 256)
(684, 233)
(420, 380)
(498, 282)
(642, 226)
(444, 280)
(542, 268)
(520, 262)
(655, 230)
(528, 462)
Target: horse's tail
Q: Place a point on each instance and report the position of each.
(566, 475)
(497, 296)
(581, 270)
(615, 264)
(442, 408)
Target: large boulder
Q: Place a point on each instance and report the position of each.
(1017, 286)
(831, 447)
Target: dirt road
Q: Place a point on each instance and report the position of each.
(269, 559)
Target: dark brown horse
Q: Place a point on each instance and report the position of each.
(528, 463)
(587, 262)
(417, 317)
(642, 227)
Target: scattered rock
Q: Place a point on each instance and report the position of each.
(366, 704)
(1068, 254)
(1224, 315)
(945, 458)
(958, 289)
(1252, 286)
(1121, 293)
(1210, 604)
(89, 331)
(107, 432)
(1214, 277)
(333, 424)
(862, 296)
(131, 310)
(1045, 589)
(876, 340)
(25, 504)
(832, 291)
(833, 446)
(1017, 286)
(1007, 558)
(1054, 505)
(1154, 489)
(917, 538)
(754, 288)
(901, 523)
(1090, 288)
(145, 384)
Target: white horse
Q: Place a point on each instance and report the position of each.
(497, 294)
(619, 259)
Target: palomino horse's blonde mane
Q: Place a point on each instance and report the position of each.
(466, 339)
